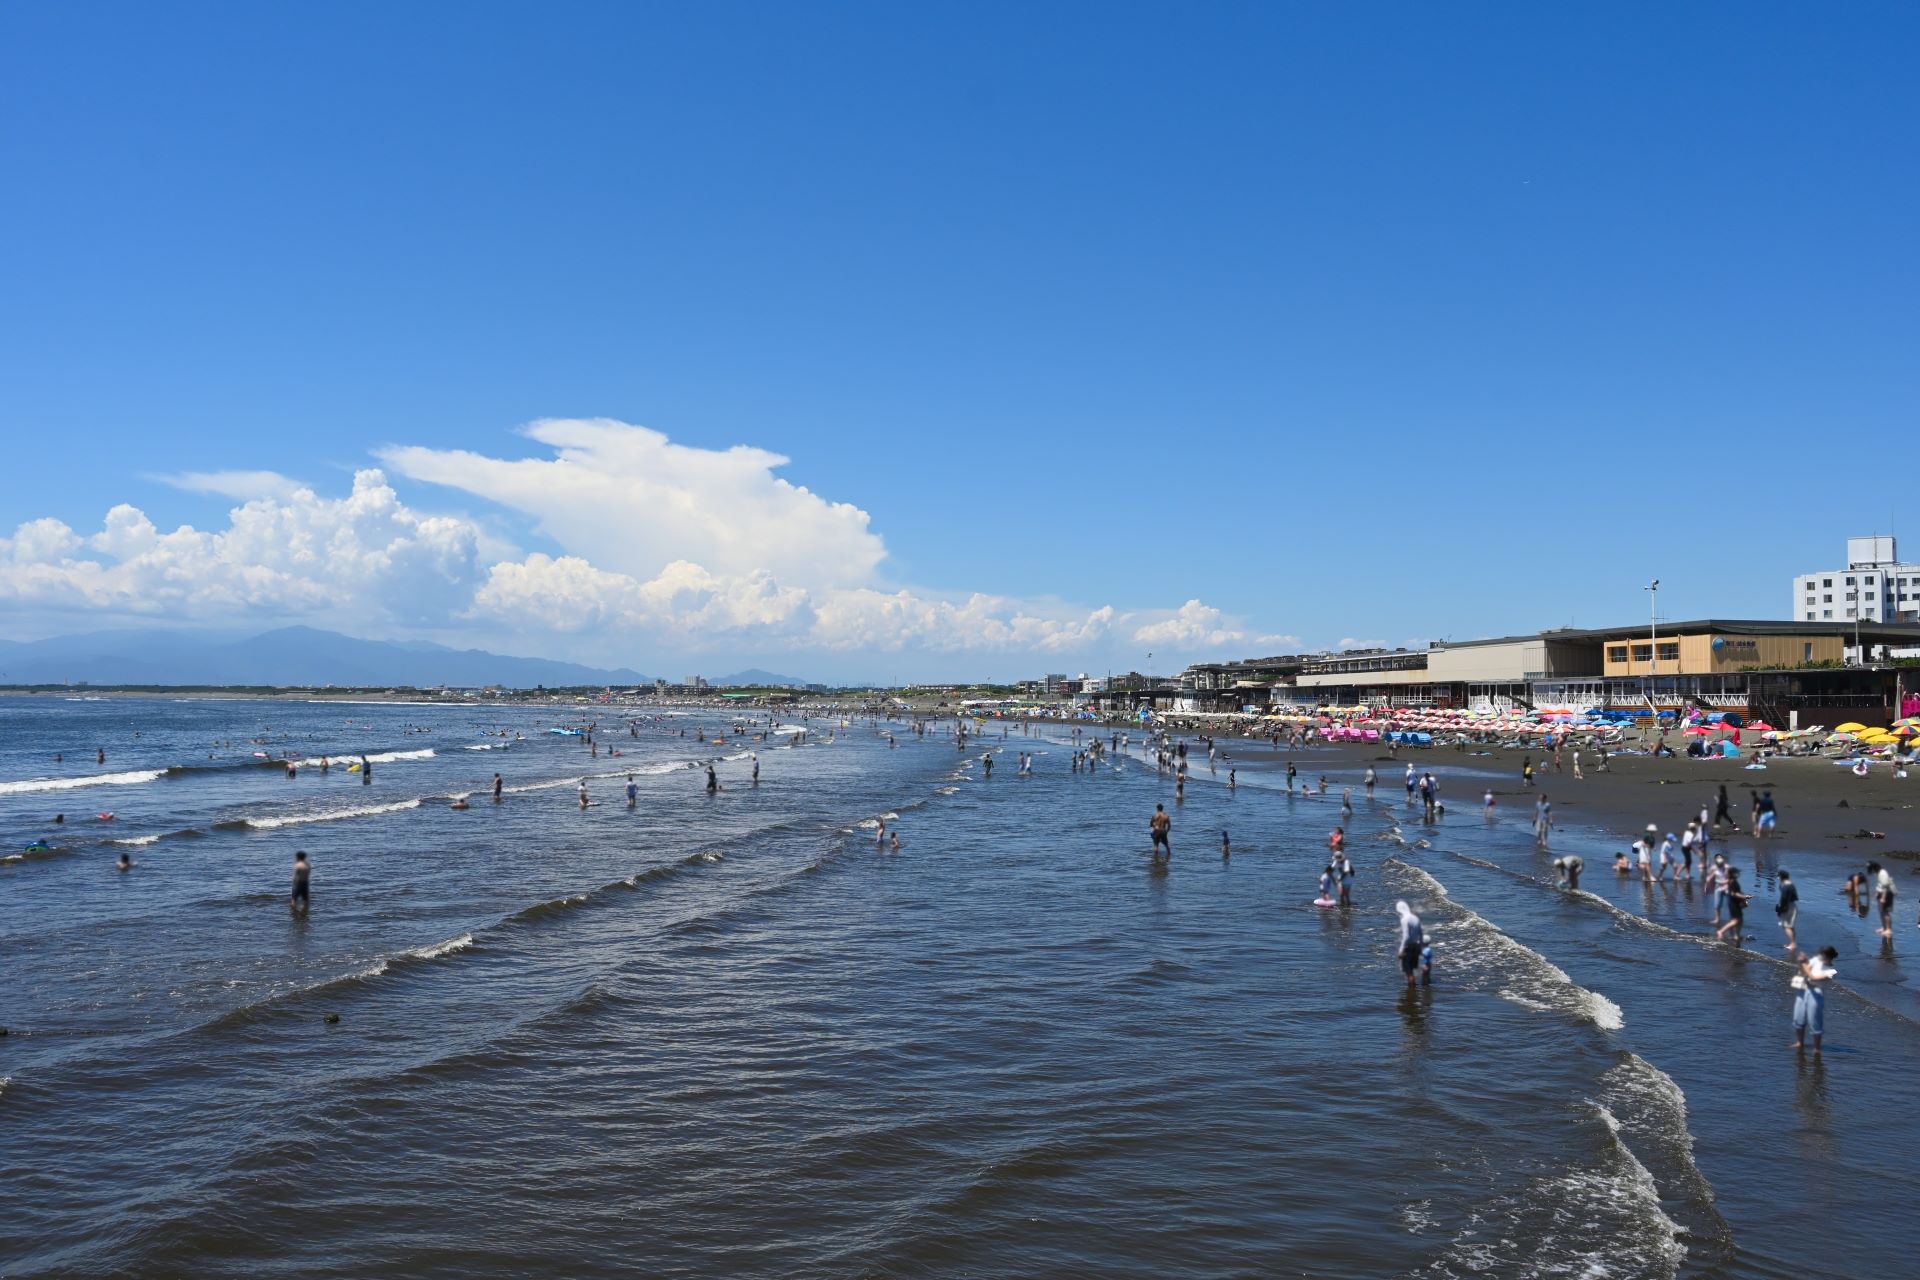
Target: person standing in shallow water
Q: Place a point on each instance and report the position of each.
(302, 873)
(1160, 825)
(1810, 1000)
(1788, 908)
(1412, 940)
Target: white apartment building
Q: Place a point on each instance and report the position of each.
(1874, 587)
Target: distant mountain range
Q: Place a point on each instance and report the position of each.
(756, 678)
(288, 656)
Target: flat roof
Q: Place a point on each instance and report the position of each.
(1905, 631)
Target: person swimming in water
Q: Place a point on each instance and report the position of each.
(302, 872)
(126, 863)
(713, 780)
(584, 802)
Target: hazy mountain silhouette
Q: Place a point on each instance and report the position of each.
(288, 656)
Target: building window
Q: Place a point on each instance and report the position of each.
(1806, 649)
(1643, 653)
(1851, 582)
(1827, 599)
(1616, 653)
(1826, 582)
(1809, 615)
(1826, 613)
(1670, 652)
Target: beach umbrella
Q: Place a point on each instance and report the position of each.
(1851, 726)
(1904, 730)
(1761, 726)
(1732, 719)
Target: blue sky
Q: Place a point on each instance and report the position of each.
(1341, 323)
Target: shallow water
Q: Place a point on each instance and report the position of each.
(728, 1035)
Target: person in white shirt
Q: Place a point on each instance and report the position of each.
(1810, 1005)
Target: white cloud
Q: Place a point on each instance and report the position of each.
(1192, 626)
(362, 557)
(665, 547)
(628, 499)
(242, 486)
(698, 608)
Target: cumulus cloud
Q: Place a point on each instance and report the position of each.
(364, 556)
(666, 546)
(239, 485)
(628, 499)
(567, 593)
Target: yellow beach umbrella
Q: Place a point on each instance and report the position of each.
(1851, 726)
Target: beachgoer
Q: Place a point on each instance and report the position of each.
(1715, 878)
(1486, 803)
(1343, 868)
(302, 870)
(1788, 909)
(1883, 896)
(1337, 840)
(633, 792)
(1412, 940)
(893, 840)
(1736, 907)
(1542, 821)
(713, 780)
(1371, 778)
(1567, 869)
(1810, 1005)
(126, 863)
(496, 787)
(1226, 847)
(1620, 864)
(1765, 815)
(584, 802)
(1161, 826)
(1723, 810)
(1526, 771)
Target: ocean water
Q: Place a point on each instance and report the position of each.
(730, 1035)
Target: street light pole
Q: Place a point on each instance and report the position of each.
(1653, 640)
